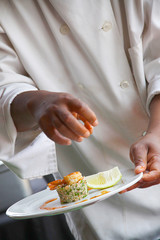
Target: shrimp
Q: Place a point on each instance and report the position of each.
(73, 178)
(86, 123)
(52, 185)
(68, 180)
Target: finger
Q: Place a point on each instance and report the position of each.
(149, 184)
(48, 128)
(154, 162)
(72, 123)
(141, 185)
(136, 185)
(139, 157)
(58, 138)
(64, 130)
(75, 114)
(83, 110)
(151, 176)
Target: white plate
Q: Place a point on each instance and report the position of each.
(29, 207)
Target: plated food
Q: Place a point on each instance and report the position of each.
(74, 186)
(71, 188)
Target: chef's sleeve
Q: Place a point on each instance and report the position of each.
(151, 48)
(29, 154)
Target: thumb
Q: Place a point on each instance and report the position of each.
(138, 154)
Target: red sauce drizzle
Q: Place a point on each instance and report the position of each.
(82, 201)
(95, 197)
(43, 206)
(102, 193)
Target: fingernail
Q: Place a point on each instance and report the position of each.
(80, 139)
(95, 123)
(140, 168)
(69, 143)
(87, 134)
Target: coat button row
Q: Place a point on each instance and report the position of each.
(64, 29)
(123, 85)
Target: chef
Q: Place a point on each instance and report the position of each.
(99, 60)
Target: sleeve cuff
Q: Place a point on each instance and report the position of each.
(29, 154)
(152, 72)
(153, 90)
(7, 128)
(35, 160)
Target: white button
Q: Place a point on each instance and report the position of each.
(80, 85)
(144, 133)
(64, 29)
(107, 26)
(124, 84)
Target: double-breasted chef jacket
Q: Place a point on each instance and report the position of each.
(106, 53)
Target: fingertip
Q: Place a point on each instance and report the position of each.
(60, 139)
(86, 134)
(68, 142)
(95, 123)
(80, 139)
(139, 169)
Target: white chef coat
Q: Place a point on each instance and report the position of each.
(106, 53)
